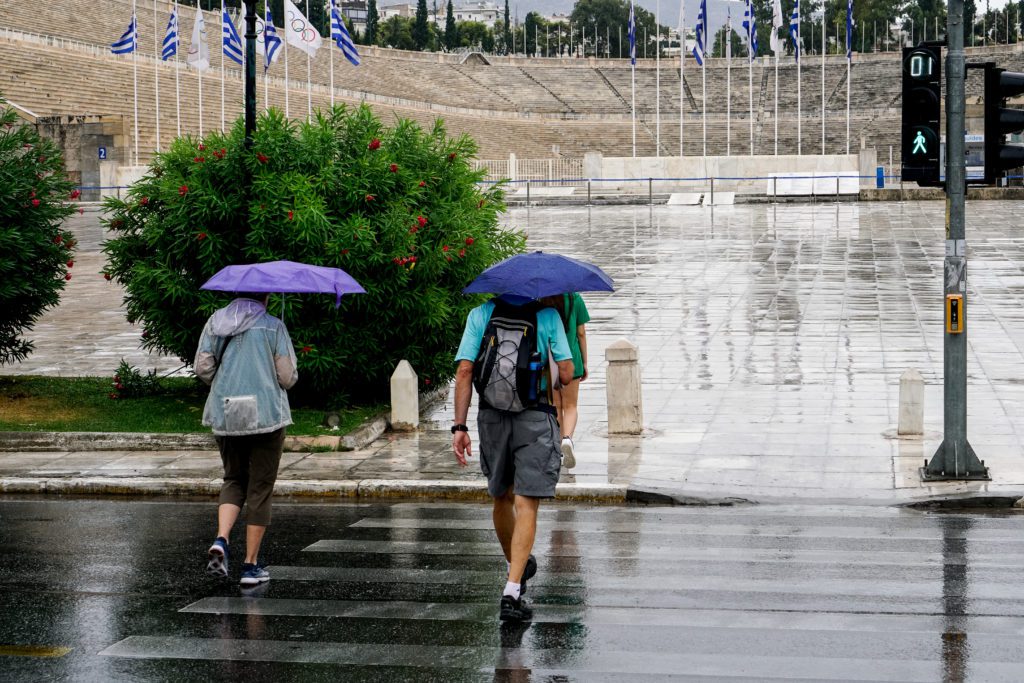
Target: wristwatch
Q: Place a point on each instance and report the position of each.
(459, 428)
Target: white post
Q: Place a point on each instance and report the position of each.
(405, 398)
(657, 78)
(156, 70)
(177, 66)
(911, 417)
(623, 389)
(135, 73)
(823, 51)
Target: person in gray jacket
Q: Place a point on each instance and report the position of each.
(247, 358)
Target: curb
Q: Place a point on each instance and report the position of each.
(301, 488)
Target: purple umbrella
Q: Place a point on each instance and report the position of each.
(285, 277)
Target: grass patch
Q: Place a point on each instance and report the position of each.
(82, 404)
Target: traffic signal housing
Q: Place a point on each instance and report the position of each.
(1000, 121)
(922, 108)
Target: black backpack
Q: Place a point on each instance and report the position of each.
(502, 374)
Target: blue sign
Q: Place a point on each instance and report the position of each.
(102, 153)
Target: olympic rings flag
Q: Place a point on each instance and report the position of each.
(299, 32)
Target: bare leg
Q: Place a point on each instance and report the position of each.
(568, 413)
(556, 398)
(253, 538)
(523, 537)
(504, 516)
(227, 515)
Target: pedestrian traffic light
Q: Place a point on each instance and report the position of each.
(922, 106)
(1001, 84)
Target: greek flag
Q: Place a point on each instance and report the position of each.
(750, 26)
(340, 36)
(631, 33)
(794, 29)
(126, 43)
(702, 32)
(170, 48)
(232, 44)
(849, 29)
(271, 41)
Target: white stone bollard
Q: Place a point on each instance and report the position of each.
(911, 404)
(405, 398)
(625, 409)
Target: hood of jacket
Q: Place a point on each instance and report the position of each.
(236, 317)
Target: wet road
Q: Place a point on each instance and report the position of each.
(408, 591)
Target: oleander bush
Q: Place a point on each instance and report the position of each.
(400, 209)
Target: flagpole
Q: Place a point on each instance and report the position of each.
(222, 117)
(177, 65)
(849, 58)
(330, 54)
(704, 98)
(135, 73)
(776, 117)
(156, 71)
(632, 88)
(309, 82)
(823, 82)
(727, 51)
(657, 78)
(751, 33)
(682, 79)
(287, 84)
(799, 104)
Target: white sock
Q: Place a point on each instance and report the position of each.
(512, 589)
(508, 568)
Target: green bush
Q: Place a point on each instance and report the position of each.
(129, 382)
(35, 253)
(399, 209)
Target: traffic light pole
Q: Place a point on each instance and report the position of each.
(955, 459)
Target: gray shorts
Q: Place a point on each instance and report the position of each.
(520, 450)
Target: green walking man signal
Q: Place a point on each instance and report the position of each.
(919, 145)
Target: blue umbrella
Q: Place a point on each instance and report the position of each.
(284, 277)
(538, 275)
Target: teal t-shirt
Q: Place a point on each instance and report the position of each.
(576, 314)
(549, 333)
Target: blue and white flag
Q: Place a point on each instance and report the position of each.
(750, 26)
(849, 29)
(271, 41)
(341, 37)
(794, 29)
(702, 32)
(631, 33)
(170, 48)
(231, 43)
(127, 42)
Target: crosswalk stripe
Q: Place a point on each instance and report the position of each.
(548, 661)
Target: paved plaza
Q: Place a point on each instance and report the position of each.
(771, 338)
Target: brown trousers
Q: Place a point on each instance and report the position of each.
(250, 470)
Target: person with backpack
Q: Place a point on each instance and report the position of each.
(247, 358)
(575, 317)
(504, 355)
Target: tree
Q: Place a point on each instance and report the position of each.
(451, 30)
(372, 22)
(507, 32)
(396, 32)
(420, 30)
(400, 209)
(531, 28)
(718, 44)
(35, 252)
(607, 19)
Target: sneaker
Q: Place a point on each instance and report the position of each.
(254, 574)
(515, 610)
(217, 558)
(528, 573)
(568, 453)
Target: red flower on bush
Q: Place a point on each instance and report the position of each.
(462, 253)
(42, 160)
(469, 240)
(144, 201)
(68, 276)
(183, 190)
(31, 194)
(106, 276)
(262, 158)
(291, 215)
(453, 156)
(445, 248)
(71, 264)
(307, 349)
(393, 168)
(344, 252)
(202, 147)
(75, 194)
(422, 184)
(81, 211)
(422, 221)
(112, 396)
(370, 197)
(58, 239)
(35, 203)
(426, 380)
(199, 160)
(413, 230)
(374, 144)
(201, 236)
